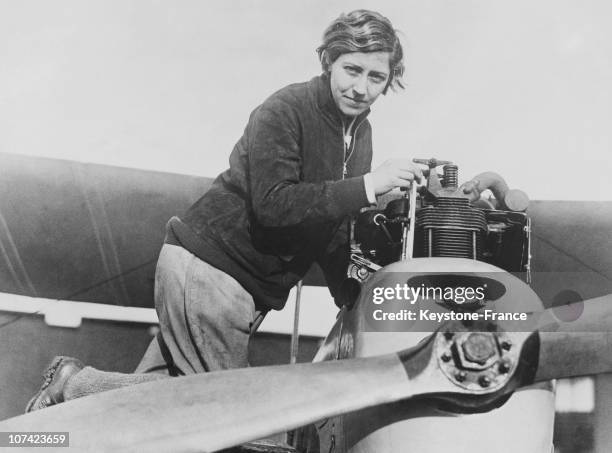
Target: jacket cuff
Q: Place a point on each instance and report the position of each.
(369, 188)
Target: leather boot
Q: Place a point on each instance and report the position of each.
(52, 390)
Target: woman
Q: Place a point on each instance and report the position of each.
(301, 168)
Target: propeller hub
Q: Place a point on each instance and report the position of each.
(478, 349)
(473, 357)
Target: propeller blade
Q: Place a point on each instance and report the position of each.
(217, 410)
(579, 347)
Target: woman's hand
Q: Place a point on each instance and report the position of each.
(395, 173)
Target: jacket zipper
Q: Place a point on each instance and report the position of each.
(349, 148)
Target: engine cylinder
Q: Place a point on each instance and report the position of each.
(450, 228)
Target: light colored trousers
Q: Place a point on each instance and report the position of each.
(205, 318)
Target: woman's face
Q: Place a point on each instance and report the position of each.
(357, 79)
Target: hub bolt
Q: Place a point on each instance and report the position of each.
(504, 367)
(484, 381)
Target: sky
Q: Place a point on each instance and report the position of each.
(521, 88)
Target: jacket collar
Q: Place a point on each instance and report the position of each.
(327, 105)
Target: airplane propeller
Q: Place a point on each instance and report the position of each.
(472, 367)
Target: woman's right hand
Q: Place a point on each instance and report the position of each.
(395, 173)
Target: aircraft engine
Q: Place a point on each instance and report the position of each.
(450, 237)
(449, 221)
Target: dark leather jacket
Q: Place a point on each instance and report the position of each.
(282, 204)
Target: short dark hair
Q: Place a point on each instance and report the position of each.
(363, 31)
